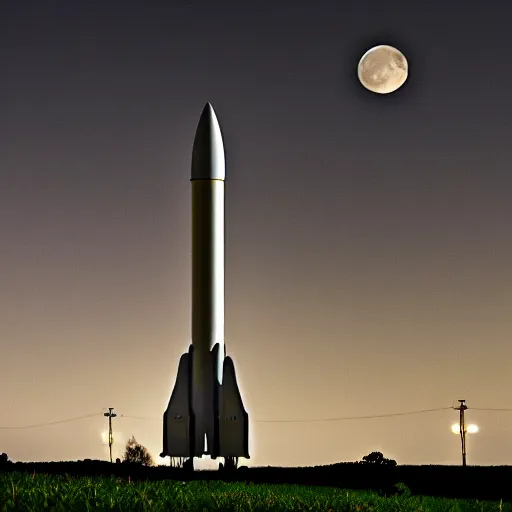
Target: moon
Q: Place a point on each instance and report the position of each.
(383, 69)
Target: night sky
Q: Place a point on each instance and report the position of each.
(368, 245)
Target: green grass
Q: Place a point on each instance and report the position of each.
(20, 491)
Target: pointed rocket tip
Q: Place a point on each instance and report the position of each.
(208, 150)
(208, 114)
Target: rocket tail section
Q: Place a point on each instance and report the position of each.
(184, 431)
(233, 420)
(179, 418)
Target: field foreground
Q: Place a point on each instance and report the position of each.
(21, 491)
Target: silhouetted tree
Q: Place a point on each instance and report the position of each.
(378, 458)
(137, 453)
(4, 459)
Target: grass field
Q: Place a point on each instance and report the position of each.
(28, 492)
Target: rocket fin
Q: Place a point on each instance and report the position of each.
(179, 418)
(233, 433)
(214, 449)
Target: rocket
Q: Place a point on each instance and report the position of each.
(206, 415)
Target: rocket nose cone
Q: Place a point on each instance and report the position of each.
(208, 152)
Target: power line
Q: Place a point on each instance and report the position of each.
(51, 423)
(326, 419)
(139, 418)
(356, 417)
(311, 420)
(483, 409)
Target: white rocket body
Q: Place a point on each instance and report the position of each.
(205, 414)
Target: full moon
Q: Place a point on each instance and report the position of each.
(382, 69)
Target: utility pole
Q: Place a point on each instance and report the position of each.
(110, 415)
(462, 407)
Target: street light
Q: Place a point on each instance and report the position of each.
(462, 430)
(471, 429)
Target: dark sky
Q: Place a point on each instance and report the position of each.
(368, 242)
